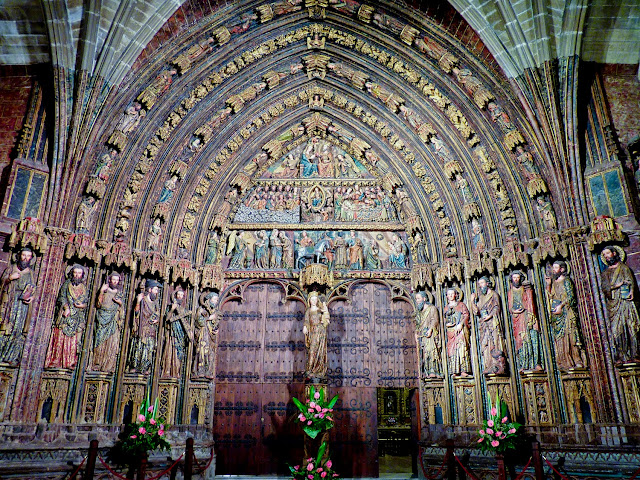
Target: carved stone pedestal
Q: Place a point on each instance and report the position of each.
(134, 386)
(54, 388)
(630, 375)
(536, 398)
(95, 398)
(433, 402)
(501, 386)
(167, 396)
(468, 411)
(578, 395)
(7, 379)
(198, 403)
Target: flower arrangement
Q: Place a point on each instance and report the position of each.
(146, 434)
(315, 414)
(315, 469)
(498, 433)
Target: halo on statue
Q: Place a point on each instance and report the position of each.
(621, 253)
(458, 290)
(429, 296)
(491, 282)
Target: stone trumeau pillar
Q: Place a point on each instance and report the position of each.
(31, 367)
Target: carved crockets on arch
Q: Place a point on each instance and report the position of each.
(192, 138)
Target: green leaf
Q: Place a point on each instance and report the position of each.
(311, 430)
(333, 401)
(300, 405)
(321, 451)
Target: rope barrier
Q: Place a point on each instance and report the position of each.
(110, 470)
(168, 469)
(635, 475)
(206, 466)
(554, 469)
(75, 472)
(465, 468)
(434, 477)
(526, 467)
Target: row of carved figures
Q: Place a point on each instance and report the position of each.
(73, 298)
(110, 317)
(619, 287)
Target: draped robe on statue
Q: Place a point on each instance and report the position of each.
(316, 320)
(565, 328)
(109, 314)
(526, 329)
(457, 324)
(67, 330)
(490, 325)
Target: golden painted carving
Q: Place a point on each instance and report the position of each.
(365, 13)
(265, 12)
(6, 380)
(537, 398)
(55, 385)
(630, 376)
(199, 397)
(501, 387)
(550, 246)
(464, 394)
(82, 247)
(95, 397)
(433, 397)
(478, 263)
(316, 65)
(116, 254)
(604, 230)
(154, 264)
(222, 35)
(578, 389)
(421, 276)
(29, 232)
(133, 392)
(316, 274)
(514, 254)
(450, 270)
(183, 271)
(316, 42)
(212, 277)
(408, 34)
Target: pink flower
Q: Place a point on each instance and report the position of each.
(512, 430)
(309, 422)
(329, 464)
(325, 410)
(494, 412)
(160, 432)
(318, 408)
(323, 474)
(481, 432)
(319, 469)
(489, 431)
(498, 434)
(316, 395)
(310, 477)
(152, 421)
(495, 443)
(490, 423)
(141, 418)
(321, 415)
(310, 410)
(480, 440)
(134, 436)
(297, 467)
(302, 418)
(162, 426)
(312, 404)
(335, 474)
(150, 409)
(142, 430)
(504, 420)
(310, 467)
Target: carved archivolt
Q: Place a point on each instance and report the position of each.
(316, 66)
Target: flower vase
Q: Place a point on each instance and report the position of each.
(312, 445)
(502, 471)
(142, 467)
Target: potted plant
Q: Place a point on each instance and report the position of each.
(138, 438)
(316, 413)
(315, 468)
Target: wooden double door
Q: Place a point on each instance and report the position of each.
(261, 358)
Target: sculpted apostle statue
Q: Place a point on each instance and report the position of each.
(526, 328)
(144, 335)
(619, 287)
(176, 335)
(69, 321)
(108, 325)
(564, 323)
(456, 317)
(316, 321)
(207, 323)
(17, 287)
(485, 304)
(428, 336)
